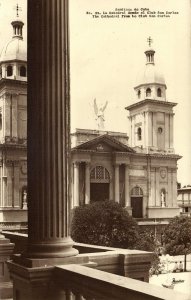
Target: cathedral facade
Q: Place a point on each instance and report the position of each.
(141, 174)
(13, 131)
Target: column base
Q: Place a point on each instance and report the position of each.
(46, 262)
(58, 248)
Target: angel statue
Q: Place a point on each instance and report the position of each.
(100, 114)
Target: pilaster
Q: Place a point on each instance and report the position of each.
(154, 129)
(87, 183)
(116, 182)
(157, 195)
(127, 187)
(167, 133)
(76, 197)
(171, 131)
(14, 116)
(7, 115)
(170, 196)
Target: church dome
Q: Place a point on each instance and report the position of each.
(150, 83)
(16, 49)
(149, 75)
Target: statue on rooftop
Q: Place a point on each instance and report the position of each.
(99, 112)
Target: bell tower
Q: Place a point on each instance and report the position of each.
(151, 116)
(13, 127)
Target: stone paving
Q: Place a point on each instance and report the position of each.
(184, 287)
(167, 277)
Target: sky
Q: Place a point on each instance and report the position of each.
(107, 54)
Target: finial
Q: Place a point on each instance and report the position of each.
(149, 40)
(17, 8)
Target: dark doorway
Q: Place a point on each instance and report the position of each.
(137, 207)
(99, 191)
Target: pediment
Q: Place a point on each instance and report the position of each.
(104, 143)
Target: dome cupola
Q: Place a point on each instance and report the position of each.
(150, 82)
(13, 58)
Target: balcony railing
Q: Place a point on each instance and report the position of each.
(99, 273)
(79, 282)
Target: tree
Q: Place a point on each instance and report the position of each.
(148, 242)
(177, 237)
(104, 223)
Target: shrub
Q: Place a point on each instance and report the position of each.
(104, 223)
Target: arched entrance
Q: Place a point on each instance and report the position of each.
(137, 202)
(99, 184)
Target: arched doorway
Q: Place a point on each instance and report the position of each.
(137, 202)
(99, 184)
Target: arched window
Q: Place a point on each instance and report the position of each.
(159, 92)
(163, 198)
(139, 134)
(139, 94)
(9, 71)
(99, 174)
(136, 191)
(148, 92)
(23, 71)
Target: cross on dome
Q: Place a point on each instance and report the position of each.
(150, 41)
(17, 8)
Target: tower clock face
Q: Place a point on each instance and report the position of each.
(163, 173)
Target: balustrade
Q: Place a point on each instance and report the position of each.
(83, 283)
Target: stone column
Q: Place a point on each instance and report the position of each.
(127, 196)
(87, 185)
(76, 184)
(117, 183)
(48, 130)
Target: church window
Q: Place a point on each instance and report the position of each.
(136, 191)
(159, 92)
(139, 94)
(99, 174)
(0, 72)
(9, 71)
(163, 198)
(148, 92)
(139, 134)
(23, 72)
